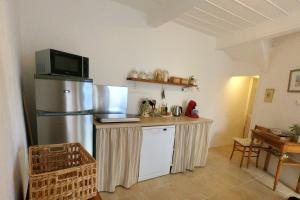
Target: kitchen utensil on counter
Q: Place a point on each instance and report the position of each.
(152, 103)
(163, 93)
(145, 108)
(177, 111)
(164, 106)
(164, 110)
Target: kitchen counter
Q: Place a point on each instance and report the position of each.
(118, 148)
(154, 121)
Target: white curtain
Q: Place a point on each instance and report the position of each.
(190, 147)
(118, 157)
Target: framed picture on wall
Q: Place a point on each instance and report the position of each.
(269, 94)
(294, 81)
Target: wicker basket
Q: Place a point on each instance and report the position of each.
(61, 171)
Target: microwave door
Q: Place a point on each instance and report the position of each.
(54, 62)
(63, 95)
(65, 63)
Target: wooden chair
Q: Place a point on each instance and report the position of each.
(243, 145)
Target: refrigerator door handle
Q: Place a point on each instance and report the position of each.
(67, 91)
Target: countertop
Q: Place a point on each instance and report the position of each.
(154, 121)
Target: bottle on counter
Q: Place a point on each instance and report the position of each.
(164, 107)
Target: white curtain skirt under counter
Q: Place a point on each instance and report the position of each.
(190, 147)
(118, 156)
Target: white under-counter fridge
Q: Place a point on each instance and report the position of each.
(156, 151)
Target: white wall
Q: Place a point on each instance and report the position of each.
(117, 39)
(283, 112)
(13, 151)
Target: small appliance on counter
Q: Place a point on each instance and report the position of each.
(148, 108)
(191, 110)
(176, 111)
(110, 104)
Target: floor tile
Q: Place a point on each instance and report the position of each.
(220, 179)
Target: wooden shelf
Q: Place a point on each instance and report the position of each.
(160, 82)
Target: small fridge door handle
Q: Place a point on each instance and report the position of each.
(67, 91)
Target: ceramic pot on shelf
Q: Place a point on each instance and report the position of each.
(158, 75)
(142, 75)
(165, 76)
(133, 74)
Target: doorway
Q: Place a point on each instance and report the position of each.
(250, 103)
(237, 105)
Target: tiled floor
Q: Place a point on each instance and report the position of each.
(220, 179)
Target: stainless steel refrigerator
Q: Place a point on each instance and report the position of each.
(64, 108)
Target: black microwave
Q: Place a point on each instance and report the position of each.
(50, 61)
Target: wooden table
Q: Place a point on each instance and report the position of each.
(283, 147)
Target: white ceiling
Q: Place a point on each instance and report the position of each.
(232, 22)
(222, 17)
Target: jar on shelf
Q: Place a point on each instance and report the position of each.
(158, 75)
(165, 76)
(150, 76)
(142, 75)
(192, 81)
(133, 74)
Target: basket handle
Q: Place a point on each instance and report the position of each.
(67, 175)
(56, 149)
